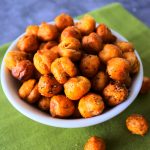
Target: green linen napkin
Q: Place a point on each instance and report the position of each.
(17, 132)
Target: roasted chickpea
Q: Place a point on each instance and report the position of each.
(63, 20)
(105, 33)
(91, 105)
(115, 93)
(134, 63)
(76, 87)
(89, 65)
(70, 47)
(99, 81)
(92, 43)
(71, 31)
(32, 30)
(44, 103)
(86, 25)
(125, 46)
(137, 124)
(23, 70)
(95, 143)
(48, 86)
(48, 45)
(43, 59)
(61, 106)
(145, 85)
(29, 91)
(28, 43)
(47, 32)
(118, 69)
(13, 57)
(109, 51)
(62, 68)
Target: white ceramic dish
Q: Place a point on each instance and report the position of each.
(10, 90)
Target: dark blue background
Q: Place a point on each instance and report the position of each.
(15, 15)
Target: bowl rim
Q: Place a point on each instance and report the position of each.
(70, 123)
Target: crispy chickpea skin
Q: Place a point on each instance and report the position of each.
(99, 81)
(70, 47)
(145, 85)
(125, 46)
(63, 20)
(28, 43)
(47, 32)
(63, 68)
(48, 86)
(32, 30)
(29, 91)
(134, 63)
(43, 60)
(92, 43)
(91, 105)
(44, 103)
(71, 31)
(95, 143)
(61, 106)
(115, 93)
(109, 51)
(137, 124)
(86, 25)
(89, 65)
(13, 57)
(76, 87)
(105, 33)
(23, 70)
(118, 69)
(48, 45)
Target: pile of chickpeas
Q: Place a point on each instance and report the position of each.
(72, 70)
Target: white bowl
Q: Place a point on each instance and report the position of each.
(10, 90)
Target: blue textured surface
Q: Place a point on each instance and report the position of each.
(15, 15)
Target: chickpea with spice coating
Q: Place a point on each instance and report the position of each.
(47, 32)
(48, 86)
(134, 63)
(99, 81)
(118, 69)
(62, 68)
(13, 57)
(48, 45)
(76, 87)
(29, 91)
(137, 124)
(89, 65)
(32, 30)
(86, 24)
(71, 31)
(23, 70)
(105, 33)
(91, 105)
(61, 106)
(44, 103)
(115, 93)
(63, 20)
(125, 46)
(28, 43)
(70, 47)
(109, 51)
(95, 143)
(92, 43)
(43, 59)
